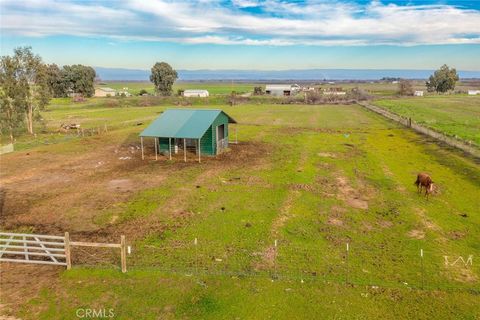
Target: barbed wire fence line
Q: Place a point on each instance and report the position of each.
(452, 140)
(345, 263)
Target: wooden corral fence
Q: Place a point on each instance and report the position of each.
(466, 146)
(46, 249)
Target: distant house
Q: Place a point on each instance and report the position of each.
(196, 93)
(205, 132)
(105, 92)
(338, 91)
(473, 92)
(418, 93)
(282, 89)
(124, 93)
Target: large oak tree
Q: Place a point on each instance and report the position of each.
(163, 77)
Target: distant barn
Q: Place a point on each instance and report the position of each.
(282, 89)
(105, 92)
(196, 93)
(205, 132)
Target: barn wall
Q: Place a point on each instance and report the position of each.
(206, 143)
(164, 145)
(221, 119)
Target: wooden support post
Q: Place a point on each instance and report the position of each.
(141, 142)
(185, 150)
(170, 148)
(123, 253)
(68, 257)
(156, 152)
(199, 152)
(106, 130)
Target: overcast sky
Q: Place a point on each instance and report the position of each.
(247, 34)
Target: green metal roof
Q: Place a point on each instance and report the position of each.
(183, 123)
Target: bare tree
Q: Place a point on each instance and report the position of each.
(405, 87)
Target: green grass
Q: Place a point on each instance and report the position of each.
(153, 295)
(226, 87)
(289, 192)
(453, 115)
(212, 87)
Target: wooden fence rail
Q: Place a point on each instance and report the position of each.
(46, 249)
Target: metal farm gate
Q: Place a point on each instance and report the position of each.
(46, 249)
(33, 248)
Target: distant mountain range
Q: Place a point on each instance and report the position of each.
(117, 74)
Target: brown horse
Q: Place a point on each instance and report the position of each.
(424, 181)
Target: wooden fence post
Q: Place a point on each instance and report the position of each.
(123, 253)
(68, 258)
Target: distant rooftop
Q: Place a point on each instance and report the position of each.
(106, 89)
(195, 91)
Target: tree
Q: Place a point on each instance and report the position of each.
(12, 97)
(26, 84)
(405, 87)
(163, 77)
(257, 91)
(56, 81)
(79, 79)
(442, 80)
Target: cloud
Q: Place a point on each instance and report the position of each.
(245, 22)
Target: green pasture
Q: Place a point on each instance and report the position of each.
(212, 87)
(226, 87)
(317, 178)
(453, 115)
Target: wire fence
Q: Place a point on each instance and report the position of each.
(345, 263)
(453, 141)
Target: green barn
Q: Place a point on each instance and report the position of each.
(201, 131)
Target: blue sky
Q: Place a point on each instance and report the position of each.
(247, 34)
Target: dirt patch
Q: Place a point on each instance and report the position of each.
(387, 171)
(465, 275)
(456, 234)
(352, 197)
(302, 187)
(285, 214)
(355, 198)
(416, 234)
(21, 282)
(366, 227)
(335, 221)
(327, 155)
(385, 224)
(427, 223)
(121, 185)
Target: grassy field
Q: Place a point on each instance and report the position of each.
(453, 115)
(373, 88)
(314, 178)
(212, 87)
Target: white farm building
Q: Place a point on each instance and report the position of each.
(473, 92)
(418, 93)
(282, 89)
(105, 92)
(195, 93)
